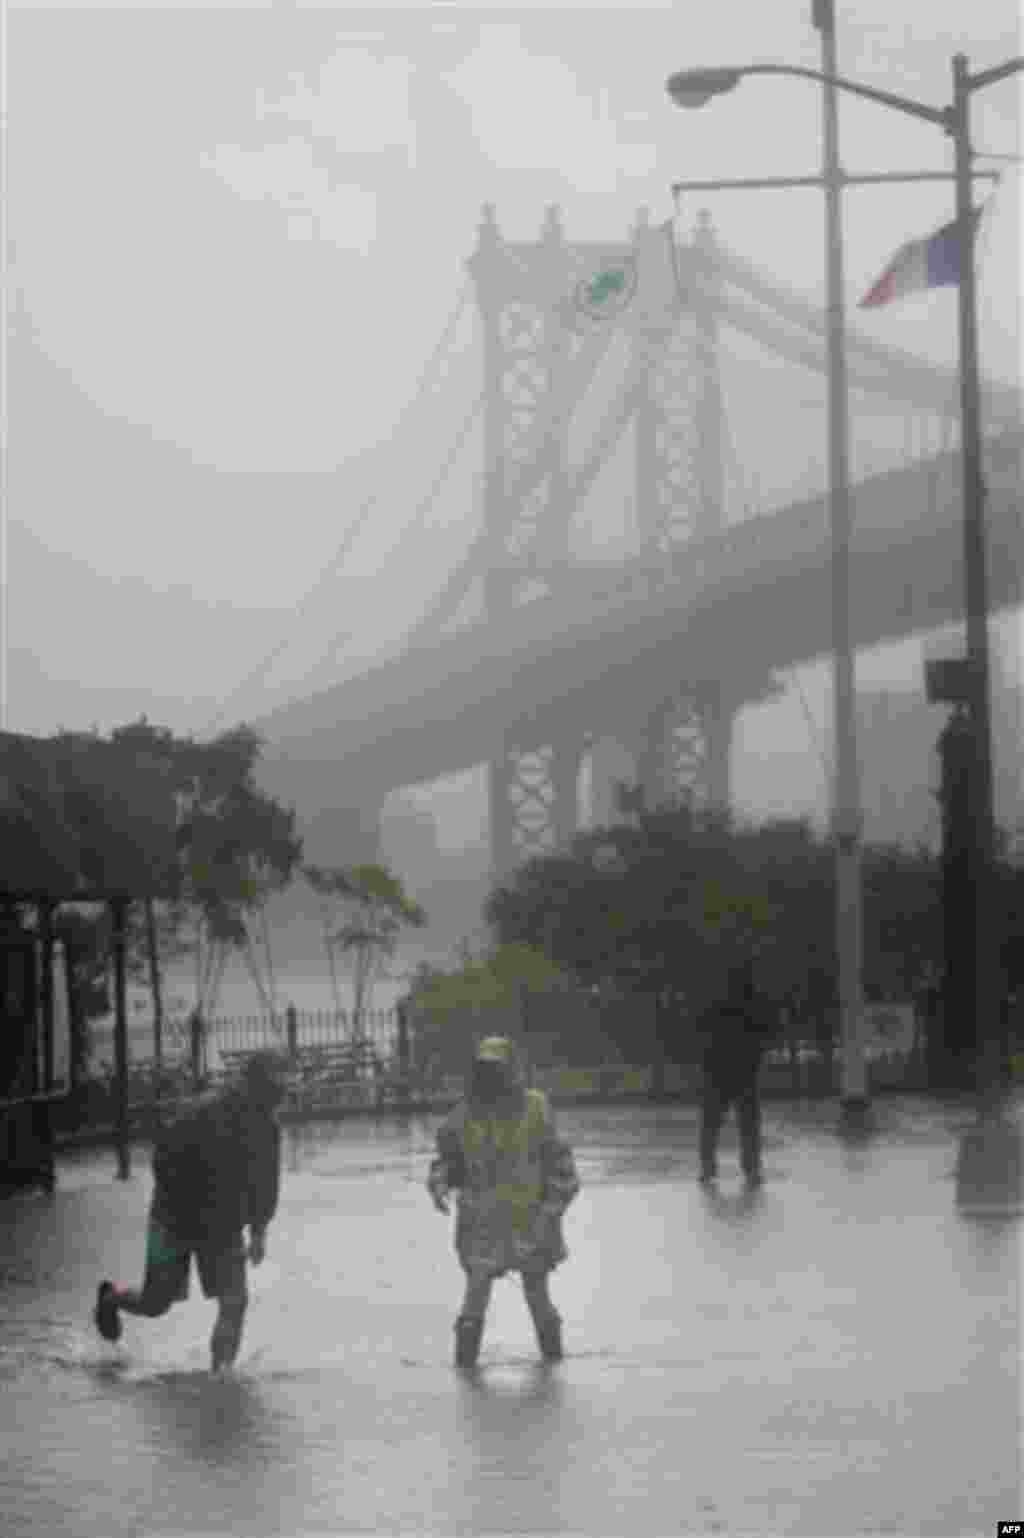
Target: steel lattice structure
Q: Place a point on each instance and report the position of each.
(537, 361)
(656, 715)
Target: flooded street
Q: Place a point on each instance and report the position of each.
(839, 1355)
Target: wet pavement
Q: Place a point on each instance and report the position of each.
(839, 1355)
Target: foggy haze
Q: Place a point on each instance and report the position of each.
(236, 235)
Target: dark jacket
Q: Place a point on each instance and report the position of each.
(217, 1167)
(735, 1034)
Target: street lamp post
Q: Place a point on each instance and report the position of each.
(847, 818)
(984, 951)
(693, 88)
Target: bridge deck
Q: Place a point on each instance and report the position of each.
(738, 605)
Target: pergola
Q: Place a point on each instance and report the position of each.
(81, 821)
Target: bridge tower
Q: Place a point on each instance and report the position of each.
(679, 740)
(521, 291)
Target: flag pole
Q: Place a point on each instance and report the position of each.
(990, 1166)
(847, 821)
(984, 956)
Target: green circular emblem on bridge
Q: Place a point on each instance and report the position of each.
(608, 292)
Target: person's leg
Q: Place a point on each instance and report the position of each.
(477, 1296)
(546, 1319)
(712, 1114)
(165, 1282)
(469, 1326)
(748, 1117)
(222, 1275)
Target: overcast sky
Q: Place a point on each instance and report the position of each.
(238, 232)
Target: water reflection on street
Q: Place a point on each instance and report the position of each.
(837, 1353)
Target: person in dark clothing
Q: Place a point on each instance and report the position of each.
(217, 1172)
(735, 1035)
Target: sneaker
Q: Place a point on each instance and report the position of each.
(549, 1338)
(468, 1334)
(105, 1315)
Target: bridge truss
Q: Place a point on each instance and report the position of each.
(565, 393)
(540, 362)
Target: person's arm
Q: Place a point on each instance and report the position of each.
(448, 1166)
(264, 1182)
(560, 1181)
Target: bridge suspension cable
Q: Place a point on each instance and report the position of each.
(793, 305)
(455, 449)
(557, 407)
(556, 410)
(817, 736)
(911, 373)
(615, 419)
(358, 522)
(921, 385)
(874, 375)
(793, 331)
(529, 469)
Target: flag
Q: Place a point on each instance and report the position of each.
(921, 264)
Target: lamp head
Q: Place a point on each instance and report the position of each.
(694, 87)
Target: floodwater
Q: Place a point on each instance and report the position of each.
(838, 1356)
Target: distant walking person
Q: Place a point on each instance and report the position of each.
(217, 1172)
(515, 1176)
(735, 1036)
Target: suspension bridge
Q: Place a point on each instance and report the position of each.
(611, 377)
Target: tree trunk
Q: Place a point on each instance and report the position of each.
(524, 1013)
(404, 1055)
(119, 911)
(659, 1054)
(333, 967)
(792, 1045)
(156, 989)
(197, 1032)
(45, 919)
(271, 983)
(78, 1035)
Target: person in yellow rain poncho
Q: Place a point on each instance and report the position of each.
(515, 1177)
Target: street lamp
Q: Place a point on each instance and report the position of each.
(694, 88)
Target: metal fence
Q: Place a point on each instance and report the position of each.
(338, 1061)
(341, 1046)
(295, 1029)
(326, 1082)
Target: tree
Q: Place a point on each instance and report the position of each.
(235, 846)
(903, 941)
(647, 907)
(498, 980)
(489, 992)
(364, 909)
(666, 905)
